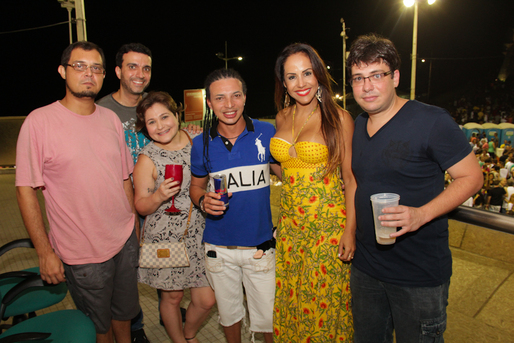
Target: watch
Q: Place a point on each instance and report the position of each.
(200, 203)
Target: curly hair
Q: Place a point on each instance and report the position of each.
(151, 99)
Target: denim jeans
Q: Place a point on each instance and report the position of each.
(416, 314)
(137, 322)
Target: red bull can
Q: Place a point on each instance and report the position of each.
(220, 187)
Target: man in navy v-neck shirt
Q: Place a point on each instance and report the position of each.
(403, 147)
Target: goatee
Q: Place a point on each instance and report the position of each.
(83, 94)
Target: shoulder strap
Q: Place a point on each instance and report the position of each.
(188, 137)
(183, 235)
(142, 232)
(188, 221)
(191, 205)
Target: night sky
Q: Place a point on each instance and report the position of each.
(465, 38)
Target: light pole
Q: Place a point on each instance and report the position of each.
(225, 58)
(409, 3)
(345, 37)
(80, 18)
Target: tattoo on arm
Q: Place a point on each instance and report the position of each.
(149, 190)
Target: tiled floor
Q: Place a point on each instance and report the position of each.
(481, 304)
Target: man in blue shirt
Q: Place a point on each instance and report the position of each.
(237, 146)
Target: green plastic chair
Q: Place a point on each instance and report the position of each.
(58, 327)
(30, 300)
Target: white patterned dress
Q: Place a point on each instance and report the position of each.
(160, 226)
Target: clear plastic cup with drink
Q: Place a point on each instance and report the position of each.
(380, 201)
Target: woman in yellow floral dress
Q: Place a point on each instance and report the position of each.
(317, 225)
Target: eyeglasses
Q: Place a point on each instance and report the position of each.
(95, 69)
(373, 78)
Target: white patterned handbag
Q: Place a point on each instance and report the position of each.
(164, 254)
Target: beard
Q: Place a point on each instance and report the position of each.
(83, 94)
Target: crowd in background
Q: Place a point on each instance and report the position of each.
(497, 193)
(492, 104)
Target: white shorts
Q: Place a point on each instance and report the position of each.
(229, 271)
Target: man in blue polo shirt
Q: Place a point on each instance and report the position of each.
(237, 146)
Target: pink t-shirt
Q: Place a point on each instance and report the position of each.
(80, 163)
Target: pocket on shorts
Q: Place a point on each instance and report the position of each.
(132, 246)
(264, 264)
(88, 276)
(213, 264)
(432, 329)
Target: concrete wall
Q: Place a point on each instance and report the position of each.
(484, 242)
(9, 130)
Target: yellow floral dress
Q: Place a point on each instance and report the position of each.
(312, 301)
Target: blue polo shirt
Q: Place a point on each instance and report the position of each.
(247, 220)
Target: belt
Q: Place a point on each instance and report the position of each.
(235, 247)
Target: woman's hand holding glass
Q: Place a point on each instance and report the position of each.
(173, 172)
(167, 189)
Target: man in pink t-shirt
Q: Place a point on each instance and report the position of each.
(75, 152)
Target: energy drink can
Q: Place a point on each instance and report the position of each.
(220, 187)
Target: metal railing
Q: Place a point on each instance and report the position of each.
(486, 219)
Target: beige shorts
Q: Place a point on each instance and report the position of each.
(228, 271)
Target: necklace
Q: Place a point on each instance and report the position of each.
(306, 120)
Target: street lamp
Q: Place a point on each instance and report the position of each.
(409, 3)
(225, 58)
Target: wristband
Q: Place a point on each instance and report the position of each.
(200, 203)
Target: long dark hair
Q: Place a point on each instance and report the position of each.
(331, 126)
(210, 119)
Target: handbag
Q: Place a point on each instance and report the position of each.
(164, 254)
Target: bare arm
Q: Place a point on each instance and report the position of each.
(276, 167)
(277, 170)
(146, 200)
(129, 191)
(211, 202)
(50, 265)
(467, 181)
(280, 119)
(347, 243)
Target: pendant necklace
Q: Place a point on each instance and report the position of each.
(306, 120)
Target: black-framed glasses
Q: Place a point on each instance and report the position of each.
(95, 69)
(373, 78)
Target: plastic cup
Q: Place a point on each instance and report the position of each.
(379, 202)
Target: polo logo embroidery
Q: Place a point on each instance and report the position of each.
(261, 151)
